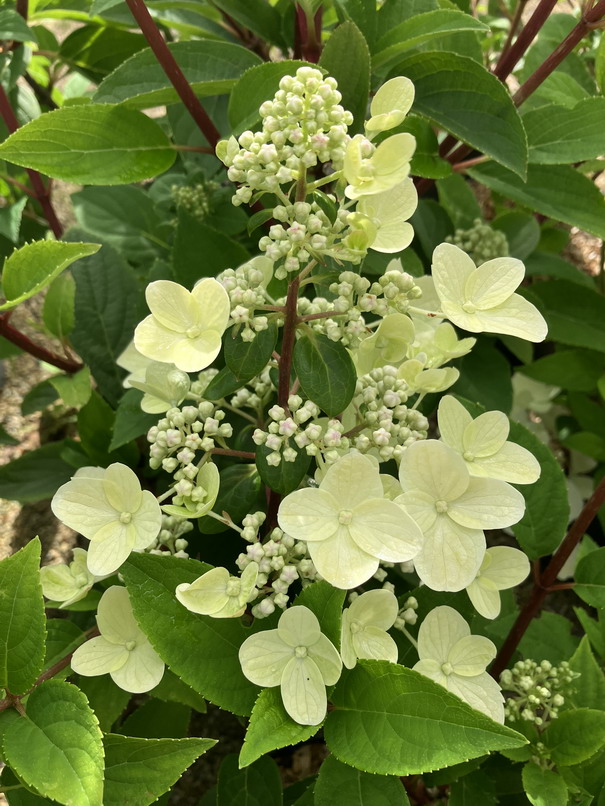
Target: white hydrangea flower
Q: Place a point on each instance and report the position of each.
(299, 658)
(387, 345)
(134, 362)
(184, 327)
(482, 443)
(122, 650)
(218, 594)
(390, 105)
(68, 583)
(389, 213)
(502, 567)
(419, 379)
(348, 524)
(457, 660)
(108, 507)
(452, 509)
(364, 626)
(386, 167)
(482, 299)
(207, 484)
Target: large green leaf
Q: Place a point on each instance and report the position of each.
(557, 135)
(256, 785)
(92, 144)
(286, 476)
(591, 692)
(22, 620)
(131, 421)
(346, 57)
(239, 494)
(246, 359)
(362, 13)
(96, 50)
(210, 67)
(326, 372)
(259, 16)
(485, 377)
(391, 720)
(57, 748)
(575, 314)
(13, 27)
(32, 267)
(58, 311)
(339, 783)
(462, 96)
(556, 191)
(36, 475)
(543, 787)
(575, 736)
(590, 578)
(577, 370)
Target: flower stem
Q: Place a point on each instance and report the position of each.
(511, 55)
(288, 339)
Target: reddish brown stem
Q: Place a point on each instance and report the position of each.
(22, 7)
(463, 166)
(546, 580)
(237, 454)
(513, 29)
(508, 59)
(287, 348)
(25, 343)
(176, 76)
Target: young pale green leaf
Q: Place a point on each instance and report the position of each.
(92, 144)
(36, 475)
(13, 27)
(556, 191)
(381, 710)
(346, 57)
(575, 314)
(246, 359)
(339, 783)
(138, 771)
(256, 785)
(58, 311)
(286, 476)
(575, 736)
(420, 29)
(32, 267)
(462, 96)
(557, 135)
(22, 621)
(213, 670)
(590, 578)
(57, 748)
(326, 602)
(239, 494)
(131, 421)
(211, 68)
(590, 693)
(543, 787)
(326, 372)
(270, 728)
(74, 390)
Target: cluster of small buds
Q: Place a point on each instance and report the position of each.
(195, 199)
(347, 326)
(171, 537)
(304, 124)
(182, 432)
(245, 286)
(407, 614)
(481, 242)
(539, 690)
(391, 293)
(281, 561)
(199, 386)
(255, 394)
(390, 426)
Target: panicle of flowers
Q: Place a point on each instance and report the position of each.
(481, 242)
(182, 432)
(255, 394)
(539, 690)
(246, 287)
(170, 538)
(195, 199)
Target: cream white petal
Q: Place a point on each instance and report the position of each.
(420, 506)
(309, 514)
(389, 211)
(303, 692)
(378, 608)
(213, 304)
(98, 656)
(352, 479)
(58, 583)
(494, 281)
(440, 630)
(263, 658)
(432, 467)
(147, 520)
(381, 528)
(115, 618)
(298, 626)
(248, 582)
(373, 643)
(507, 567)
(488, 504)
(81, 504)
(486, 434)
(122, 488)
(341, 562)
(232, 608)
(451, 268)
(195, 354)
(142, 671)
(485, 598)
(207, 594)
(511, 463)
(156, 341)
(172, 305)
(430, 668)
(347, 651)
(480, 692)
(452, 419)
(450, 556)
(515, 317)
(397, 93)
(467, 321)
(471, 655)
(393, 154)
(326, 657)
(110, 548)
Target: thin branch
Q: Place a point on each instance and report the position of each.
(463, 166)
(237, 454)
(287, 348)
(509, 58)
(176, 76)
(513, 28)
(18, 338)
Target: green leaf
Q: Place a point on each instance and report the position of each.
(426, 160)
(74, 390)
(522, 232)
(10, 219)
(485, 377)
(590, 689)
(256, 785)
(549, 637)
(31, 268)
(590, 578)
(22, 620)
(211, 68)
(575, 736)
(478, 787)
(260, 17)
(106, 699)
(106, 314)
(246, 359)
(223, 384)
(576, 370)
(13, 27)
(381, 710)
(420, 29)
(545, 263)
(62, 637)
(58, 747)
(461, 204)
(543, 787)
(36, 475)
(326, 372)
(362, 13)
(213, 670)
(287, 475)
(462, 96)
(157, 719)
(339, 783)
(131, 421)
(575, 315)
(271, 728)
(257, 84)
(595, 630)
(92, 144)
(326, 602)
(600, 66)
(557, 135)
(556, 191)
(58, 311)
(239, 494)
(96, 50)
(138, 771)
(431, 226)
(346, 57)
(172, 689)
